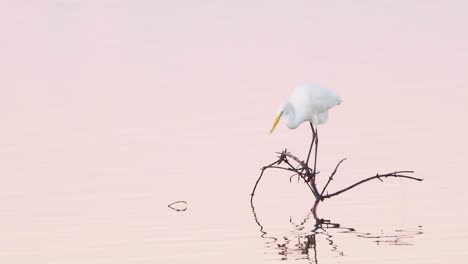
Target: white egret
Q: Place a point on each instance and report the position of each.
(308, 102)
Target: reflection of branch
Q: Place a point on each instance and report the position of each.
(334, 247)
(396, 240)
(263, 235)
(320, 228)
(306, 245)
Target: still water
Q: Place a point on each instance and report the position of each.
(112, 110)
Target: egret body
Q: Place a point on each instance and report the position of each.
(307, 103)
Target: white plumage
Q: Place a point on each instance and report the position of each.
(308, 102)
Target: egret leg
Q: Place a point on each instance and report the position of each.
(316, 146)
(311, 143)
(307, 169)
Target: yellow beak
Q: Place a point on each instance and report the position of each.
(276, 121)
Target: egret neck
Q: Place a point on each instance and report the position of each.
(292, 120)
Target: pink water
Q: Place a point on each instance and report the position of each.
(111, 110)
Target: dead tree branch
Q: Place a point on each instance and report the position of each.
(396, 174)
(303, 171)
(331, 176)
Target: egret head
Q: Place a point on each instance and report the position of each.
(281, 110)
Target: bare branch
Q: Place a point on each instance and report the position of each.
(281, 168)
(396, 174)
(304, 172)
(302, 166)
(283, 158)
(331, 176)
(256, 183)
(287, 154)
(312, 187)
(280, 159)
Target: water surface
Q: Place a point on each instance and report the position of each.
(112, 110)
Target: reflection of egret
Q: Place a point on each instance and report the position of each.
(307, 103)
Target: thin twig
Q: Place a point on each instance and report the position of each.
(312, 187)
(256, 183)
(177, 209)
(298, 177)
(302, 165)
(272, 164)
(281, 168)
(331, 176)
(289, 155)
(280, 159)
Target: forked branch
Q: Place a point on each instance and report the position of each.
(303, 171)
(331, 176)
(283, 158)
